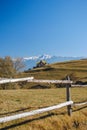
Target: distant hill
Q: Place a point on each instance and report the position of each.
(30, 62)
(77, 69)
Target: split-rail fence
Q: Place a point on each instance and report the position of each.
(69, 103)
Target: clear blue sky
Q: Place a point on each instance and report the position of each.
(34, 27)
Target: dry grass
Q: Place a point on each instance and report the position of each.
(18, 101)
(60, 70)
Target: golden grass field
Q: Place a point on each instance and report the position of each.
(18, 101)
(25, 99)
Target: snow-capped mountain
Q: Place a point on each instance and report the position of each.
(41, 57)
(30, 62)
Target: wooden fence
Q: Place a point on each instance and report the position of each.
(3, 81)
(69, 103)
(34, 112)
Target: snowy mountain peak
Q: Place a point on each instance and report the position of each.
(41, 57)
(31, 61)
(45, 56)
(31, 58)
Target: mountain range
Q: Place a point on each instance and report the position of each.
(31, 62)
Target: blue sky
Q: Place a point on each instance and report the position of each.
(34, 27)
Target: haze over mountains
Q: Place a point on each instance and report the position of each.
(30, 62)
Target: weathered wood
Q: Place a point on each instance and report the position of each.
(34, 112)
(78, 85)
(3, 81)
(31, 79)
(68, 96)
(51, 81)
(80, 104)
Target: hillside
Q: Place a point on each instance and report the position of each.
(30, 62)
(25, 100)
(77, 69)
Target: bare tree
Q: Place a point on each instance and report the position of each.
(19, 64)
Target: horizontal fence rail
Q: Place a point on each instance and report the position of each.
(78, 85)
(3, 81)
(34, 112)
(80, 104)
(31, 79)
(51, 81)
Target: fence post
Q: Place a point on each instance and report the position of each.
(68, 97)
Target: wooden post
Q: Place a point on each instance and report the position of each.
(68, 97)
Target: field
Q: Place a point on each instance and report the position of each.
(18, 101)
(20, 98)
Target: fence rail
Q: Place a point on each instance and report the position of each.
(80, 104)
(3, 81)
(31, 79)
(51, 81)
(78, 85)
(34, 112)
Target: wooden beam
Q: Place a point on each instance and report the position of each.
(3, 81)
(34, 112)
(50, 81)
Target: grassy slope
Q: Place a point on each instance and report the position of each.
(55, 71)
(60, 70)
